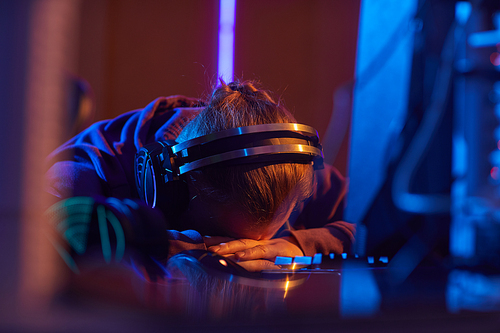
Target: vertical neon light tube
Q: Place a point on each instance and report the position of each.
(225, 63)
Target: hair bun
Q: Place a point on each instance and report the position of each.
(245, 88)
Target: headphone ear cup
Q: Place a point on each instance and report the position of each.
(146, 172)
(149, 184)
(171, 196)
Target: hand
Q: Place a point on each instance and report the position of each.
(216, 240)
(249, 249)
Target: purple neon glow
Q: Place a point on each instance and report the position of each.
(225, 63)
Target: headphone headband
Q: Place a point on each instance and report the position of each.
(270, 151)
(262, 128)
(279, 143)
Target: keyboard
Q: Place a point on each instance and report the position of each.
(294, 270)
(327, 263)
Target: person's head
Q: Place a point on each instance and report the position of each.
(250, 200)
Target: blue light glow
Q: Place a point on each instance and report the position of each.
(462, 11)
(137, 270)
(462, 236)
(317, 259)
(302, 260)
(225, 63)
(472, 291)
(383, 72)
(359, 292)
(485, 38)
(283, 260)
(162, 267)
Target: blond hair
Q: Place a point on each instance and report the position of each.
(259, 189)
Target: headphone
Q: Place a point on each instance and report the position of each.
(161, 166)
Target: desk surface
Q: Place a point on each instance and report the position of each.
(354, 297)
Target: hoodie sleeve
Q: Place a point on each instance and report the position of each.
(100, 160)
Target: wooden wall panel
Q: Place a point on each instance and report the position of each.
(145, 49)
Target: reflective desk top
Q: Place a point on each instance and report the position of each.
(354, 295)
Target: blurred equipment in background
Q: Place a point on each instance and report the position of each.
(425, 152)
(476, 139)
